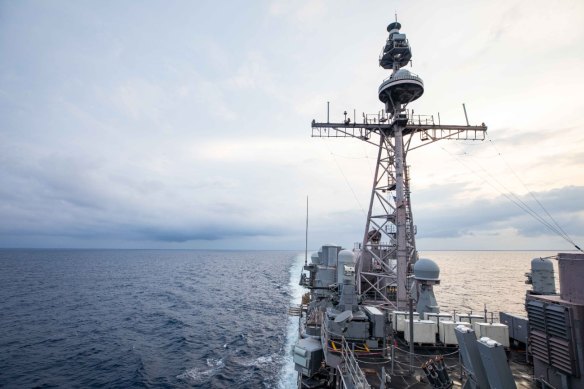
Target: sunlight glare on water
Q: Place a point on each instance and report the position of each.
(470, 279)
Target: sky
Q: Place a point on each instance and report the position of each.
(186, 124)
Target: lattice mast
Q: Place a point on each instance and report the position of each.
(388, 250)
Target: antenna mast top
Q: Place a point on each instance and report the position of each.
(402, 86)
(396, 53)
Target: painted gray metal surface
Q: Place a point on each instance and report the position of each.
(495, 363)
(542, 276)
(518, 326)
(571, 269)
(471, 359)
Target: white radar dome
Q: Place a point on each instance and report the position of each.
(314, 258)
(426, 270)
(401, 73)
(346, 256)
(542, 264)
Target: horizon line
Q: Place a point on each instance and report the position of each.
(248, 249)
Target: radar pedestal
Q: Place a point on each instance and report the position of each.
(426, 274)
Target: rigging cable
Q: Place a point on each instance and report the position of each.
(346, 180)
(533, 196)
(369, 163)
(514, 199)
(523, 205)
(510, 196)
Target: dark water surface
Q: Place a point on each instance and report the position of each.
(207, 319)
(143, 318)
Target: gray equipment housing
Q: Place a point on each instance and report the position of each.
(329, 254)
(308, 356)
(377, 319)
(495, 362)
(471, 359)
(356, 328)
(518, 326)
(556, 327)
(541, 276)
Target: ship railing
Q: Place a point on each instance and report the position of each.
(324, 339)
(402, 76)
(295, 309)
(349, 369)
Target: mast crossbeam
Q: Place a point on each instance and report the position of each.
(428, 132)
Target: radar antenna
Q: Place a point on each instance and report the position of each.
(388, 250)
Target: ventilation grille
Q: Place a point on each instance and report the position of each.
(536, 315)
(539, 347)
(550, 333)
(557, 320)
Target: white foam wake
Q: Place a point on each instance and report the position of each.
(200, 375)
(288, 377)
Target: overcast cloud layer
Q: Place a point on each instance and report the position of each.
(187, 124)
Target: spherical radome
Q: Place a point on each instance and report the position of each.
(346, 256)
(426, 270)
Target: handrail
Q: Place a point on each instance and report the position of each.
(410, 76)
(350, 366)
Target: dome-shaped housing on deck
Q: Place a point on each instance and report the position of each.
(542, 276)
(346, 256)
(542, 264)
(426, 270)
(315, 259)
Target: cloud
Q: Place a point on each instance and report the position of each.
(177, 129)
(217, 232)
(448, 220)
(149, 197)
(305, 13)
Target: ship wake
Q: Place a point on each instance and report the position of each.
(289, 376)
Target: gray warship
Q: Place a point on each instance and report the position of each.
(370, 319)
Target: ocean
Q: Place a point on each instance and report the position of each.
(187, 318)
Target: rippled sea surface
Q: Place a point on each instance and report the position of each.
(167, 318)
(471, 279)
(133, 318)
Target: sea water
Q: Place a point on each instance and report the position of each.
(173, 318)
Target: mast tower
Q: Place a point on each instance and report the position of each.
(388, 249)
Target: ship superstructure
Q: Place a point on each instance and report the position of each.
(367, 309)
